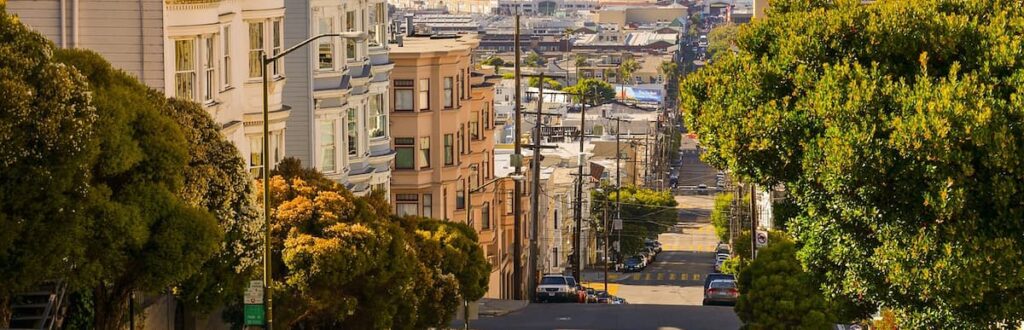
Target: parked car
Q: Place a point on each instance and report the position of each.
(556, 288)
(603, 297)
(653, 244)
(718, 265)
(651, 253)
(577, 289)
(721, 292)
(591, 295)
(633, 264)
(722, 256)
(716, 276)
(702, 189)
(619, 301)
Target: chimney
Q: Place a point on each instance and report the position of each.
(410, 29)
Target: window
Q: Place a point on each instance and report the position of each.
(487, 115)
(462, 90)
(425, 152)
(554, 256)
(325, 48)
(402, 205)
(353, 132)
(255, 49)
(449, 157)
(378, 120)
(485, 216)
(462, 140)
(210, 77)
(474, 127)
(276, 44)
(448, 102)
(555, 222)
(428, 205)
(184, 69)
(376, 14)
(460, 195)
(227, 56)
(255, 153)
(350, 25)
(424, 99)
(403, 95)
(328, 149)
(509, 199)
(404, 149)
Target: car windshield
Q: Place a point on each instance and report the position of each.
(633, 260)
(602, 294)
(557, 280)
(720, 284)
(571, 280)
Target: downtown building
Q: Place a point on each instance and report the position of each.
(339, 92)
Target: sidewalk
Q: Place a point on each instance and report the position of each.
(499, 307)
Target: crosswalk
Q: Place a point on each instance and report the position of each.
(688, 247)
(663, 277)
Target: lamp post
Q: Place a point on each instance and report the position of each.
(266, 61)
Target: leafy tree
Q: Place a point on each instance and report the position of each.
(47, 142)
(346, 262)
(534, 60)
(627, 68)
(145, 236)
(896, 128)
(776, 293)
(508, 75)
(579, 61)
(594, 91)
(548, 83)
(216, 180)
(720, 216)
(493, 60)
(722, 38)
(645, 213)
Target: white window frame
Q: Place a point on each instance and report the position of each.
(256, 52)
(329, 42)
(185, 70)
(328, 143)
(225, 50)
(209, 66)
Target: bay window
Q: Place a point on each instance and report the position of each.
(378, 118)
(226, 56)
(209, 72)
(424, 95)
(403, 95)
(276, 44)
(256, 49)
(448, 92)
(353, 132)
(328, 149)
(325, 46)
(425, 152)
(449, 157)
(184, 69)
(405, 153)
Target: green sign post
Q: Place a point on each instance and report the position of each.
(255, 315)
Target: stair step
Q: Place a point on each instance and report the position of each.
(26, 306)
(26, 318)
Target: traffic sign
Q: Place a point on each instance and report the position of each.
(762, 239)
(254, 293)
(254, 314)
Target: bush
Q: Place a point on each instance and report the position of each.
(776, 293)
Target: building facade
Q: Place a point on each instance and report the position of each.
(339, 97)
(207, 51)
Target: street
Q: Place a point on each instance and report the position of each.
(665, 295)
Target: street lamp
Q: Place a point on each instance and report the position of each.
(266, 61)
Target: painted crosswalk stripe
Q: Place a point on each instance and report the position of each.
(672, 276)
(661, 276)
(647, 277)
(682, 276)
(696, 277)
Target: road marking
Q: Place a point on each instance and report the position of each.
(672, 276)
(613, 288)
(613, 276)
(696, 277)
(661, 276)
(682, 276)
(647, 277)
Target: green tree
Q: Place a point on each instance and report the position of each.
(216, 180)
(47, 143)
(579, 61)
(346, 262)
(146, 237)
(493, 60)
(896, 128)
(550, 83)
(645, 213)
(776, 293)
(593, 91)
(534, 60)
(720, 215)
(722, 38)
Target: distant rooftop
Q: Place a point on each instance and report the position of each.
(417, 45)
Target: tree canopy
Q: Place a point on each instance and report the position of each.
(722, 38)
(896, 127)
(645, 213)
(776, 293)
(346, 262)
(594, 91)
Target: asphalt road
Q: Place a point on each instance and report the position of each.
(665, 295)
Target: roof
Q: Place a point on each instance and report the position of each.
(421, 45)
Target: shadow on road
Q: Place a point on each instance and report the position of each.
(603, 316)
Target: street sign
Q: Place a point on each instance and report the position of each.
(617, 224)
(254, 315)
(762, 239)
(254, 293)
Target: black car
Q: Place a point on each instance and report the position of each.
(633, 265)
(716, 276)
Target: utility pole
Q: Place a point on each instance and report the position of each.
(753, 221)
(535, 192)
(618, 177)
(579, 194)
(606, 241)
(517, 161)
